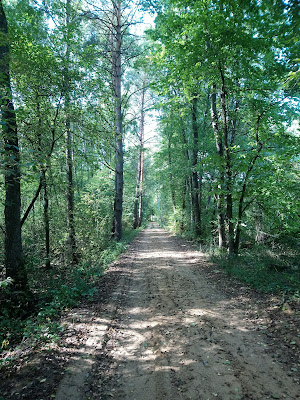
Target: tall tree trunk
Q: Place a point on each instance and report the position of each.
(220, 152)
(228, 167)
(138, 203)
(69, 148)
(241, 207)
(158, 206)
(183, 207)
(136, 198)
(117, 79)
(173, 198)
(142, 138)
(140, 212)
(195, 181)
(70, 185)
(46, 220)
(43, 183)
(187, 182)
(14, 260)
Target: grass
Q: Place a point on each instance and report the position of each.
(267, 270)
(55, 290)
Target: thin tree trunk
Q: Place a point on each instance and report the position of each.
(138, 203)
(200, 196)
(46, 165)
(228, 167)
(140, 212)
(43, 180)
(241, 208)
(142, 137)
(14, 260)
(137, 211)
(158, 206)
(117, 78)
(220, 152)
(70, 186)
(171, 176)
(183, 207)
(187, 184)
(31, 205)
(46, 220)
(195, 182)
(69, 151)
(136, 198)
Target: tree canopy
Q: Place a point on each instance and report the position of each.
(219, 80)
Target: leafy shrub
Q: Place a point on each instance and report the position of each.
(263, 269)
(54, 290)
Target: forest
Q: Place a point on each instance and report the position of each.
(119, 112)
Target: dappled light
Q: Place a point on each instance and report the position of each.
(149, 200)
(161, 328)
(173, 336)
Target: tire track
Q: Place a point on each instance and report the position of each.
(175, 336)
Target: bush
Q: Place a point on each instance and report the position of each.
(264, 269)
(54, 290)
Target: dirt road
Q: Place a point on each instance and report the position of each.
(168, 333)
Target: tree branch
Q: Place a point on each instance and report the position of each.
(32, 202)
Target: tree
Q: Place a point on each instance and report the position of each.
(232, 50)
(117, 46)
(68, 138)
(116, 51)
(14, 260)
(196, 184)
(138, 202)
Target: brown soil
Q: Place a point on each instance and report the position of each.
(168, 326)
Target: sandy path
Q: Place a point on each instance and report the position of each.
(169, 333)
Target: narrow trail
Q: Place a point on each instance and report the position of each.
(168, 333)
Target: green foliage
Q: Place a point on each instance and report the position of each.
(197, 48)
(61, 288)
(269, 271)
(200, 48)
(40, 70)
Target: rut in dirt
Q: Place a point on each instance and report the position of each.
(170, 333)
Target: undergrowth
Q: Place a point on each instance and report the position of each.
(53, 290)
(267, 270)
